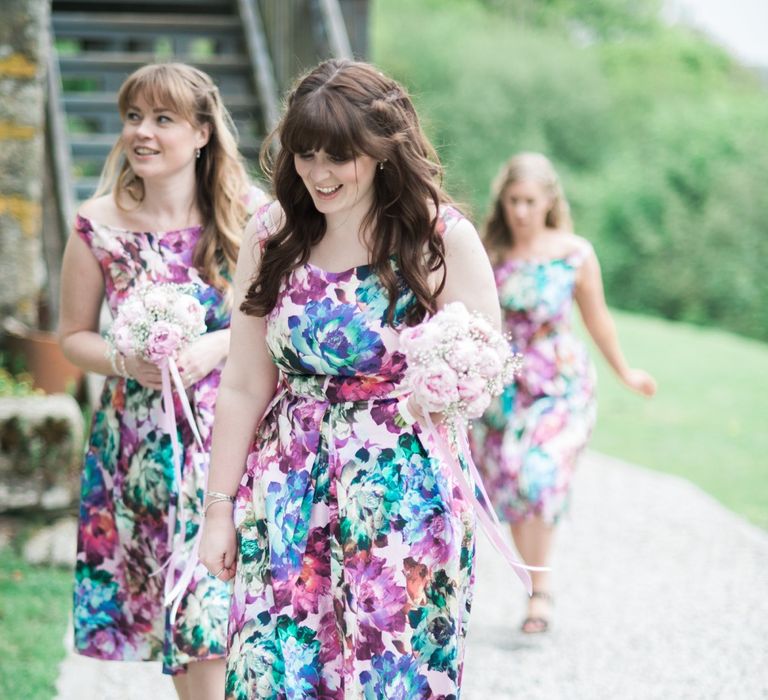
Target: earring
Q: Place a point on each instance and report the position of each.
(381, 164)
(197, 153)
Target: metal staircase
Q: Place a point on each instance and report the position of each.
(251, 49)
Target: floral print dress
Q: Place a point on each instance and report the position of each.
(527, 444)
(355, 559)
(128, 480)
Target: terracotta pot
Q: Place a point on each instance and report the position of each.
(43, 359)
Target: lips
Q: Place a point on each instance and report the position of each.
(144, 151)
(327, 192)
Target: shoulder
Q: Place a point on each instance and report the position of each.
(458, 232)
(255, 198)
(265, 222)
(99, 209)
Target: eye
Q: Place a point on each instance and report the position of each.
(132, 116)
(307, 155)
(164, 119)
(338, 159)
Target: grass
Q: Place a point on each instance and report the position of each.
(707, 423)
(34, 606)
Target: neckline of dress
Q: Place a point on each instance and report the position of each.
(340, 273)
(158, 234)
(538, 261)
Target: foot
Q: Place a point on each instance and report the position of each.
(539, 613)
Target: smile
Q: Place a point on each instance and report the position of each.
(328, 190)
(143, 151)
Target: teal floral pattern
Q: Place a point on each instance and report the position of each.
(128, 482)
(355, 564)
(527, 443)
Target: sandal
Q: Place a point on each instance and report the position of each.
(537, 624)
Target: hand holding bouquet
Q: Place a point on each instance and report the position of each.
(457, 362)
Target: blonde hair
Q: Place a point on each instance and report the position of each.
(532, 167)
(221, 179)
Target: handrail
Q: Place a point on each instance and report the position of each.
(336, 29)
(261, 63)
(62, 175)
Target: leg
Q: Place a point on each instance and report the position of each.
(180, 682)
(205, 680)
(533, 539)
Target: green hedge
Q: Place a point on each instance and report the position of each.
(658, 134)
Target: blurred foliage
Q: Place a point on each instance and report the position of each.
(658, 135)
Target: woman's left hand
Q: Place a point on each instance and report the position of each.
(640, 381)
(202, 356)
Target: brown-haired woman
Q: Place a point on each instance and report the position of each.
(527, 445)
(351, 555)
(171, 207)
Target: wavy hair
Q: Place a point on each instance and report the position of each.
(220, 176)
(347, 109)
(533, 167)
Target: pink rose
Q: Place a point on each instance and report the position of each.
(131, 311)
(189, 312)
(471, 387)
(434, 387)
(463, 355)
(489, 363)
(157, 299)
(480, 405)
(422, 338)
(122, 337)
(164, 341)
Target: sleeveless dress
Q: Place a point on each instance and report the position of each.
(128, 479)
(527, 444)
(355, 556)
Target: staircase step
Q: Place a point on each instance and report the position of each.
(88, 23)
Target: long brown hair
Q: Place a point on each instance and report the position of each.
(347, 109)
(221, 180)
(534, 167)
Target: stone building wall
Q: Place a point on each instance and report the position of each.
(24, 47)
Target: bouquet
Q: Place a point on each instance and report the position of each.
(457, 362)
(157, 322)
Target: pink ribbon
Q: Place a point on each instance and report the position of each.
(175, 586)
(489, 521)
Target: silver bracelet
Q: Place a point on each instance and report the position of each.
(220, 496)
(213, 502)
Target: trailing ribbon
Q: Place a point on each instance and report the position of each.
(175, 587)
(489, 521)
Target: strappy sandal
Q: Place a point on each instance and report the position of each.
(537, 624)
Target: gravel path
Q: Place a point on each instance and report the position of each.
(660, 593)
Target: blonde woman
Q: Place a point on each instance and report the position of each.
(172, 204)
(528, 443)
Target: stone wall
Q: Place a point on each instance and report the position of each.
(24, 46)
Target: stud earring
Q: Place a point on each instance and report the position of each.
(381, 164)
(197, 153)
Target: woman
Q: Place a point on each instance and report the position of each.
(171, 207)
(527, 445)
(352, 559)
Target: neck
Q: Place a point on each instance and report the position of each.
(171, 201)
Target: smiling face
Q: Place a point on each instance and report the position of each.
(158, 142)
(337, 185)
(525, 204)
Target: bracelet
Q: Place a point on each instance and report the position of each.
(120, 362)
(221, 496)
(111, 354)
(213, 502)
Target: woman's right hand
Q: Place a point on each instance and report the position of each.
(640, 381)
(218, 546)
(145, 373)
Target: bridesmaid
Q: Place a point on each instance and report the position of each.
(526, 446)
(173, 202)
(351, 551)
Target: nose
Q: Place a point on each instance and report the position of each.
(143, 129)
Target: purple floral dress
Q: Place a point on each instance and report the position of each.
(128, 480)
(527, 443)
(355, 562)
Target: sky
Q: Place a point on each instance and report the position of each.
(740, 25)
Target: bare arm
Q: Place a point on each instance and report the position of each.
(248, 383)
(469, 276)
(598, 321)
